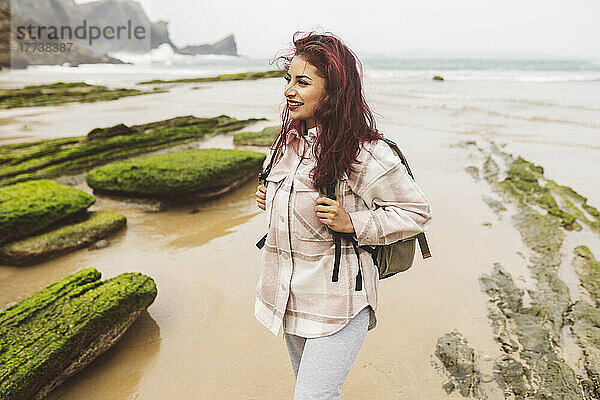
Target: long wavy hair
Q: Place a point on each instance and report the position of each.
(343, 115)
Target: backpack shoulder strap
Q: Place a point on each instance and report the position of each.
(263, 174)
(396, 149)
(421, 238)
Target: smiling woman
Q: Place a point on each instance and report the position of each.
(304, 91)
(325, 294)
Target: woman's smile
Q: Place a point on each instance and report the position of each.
(292, 105)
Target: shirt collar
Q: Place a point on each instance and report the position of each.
(311, 134)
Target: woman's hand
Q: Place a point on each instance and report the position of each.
(332, 214)
(261, 196)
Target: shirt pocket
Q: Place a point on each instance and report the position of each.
(350, 200)
(274, 181)
(305, 223)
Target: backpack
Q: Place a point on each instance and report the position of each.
(390, 259)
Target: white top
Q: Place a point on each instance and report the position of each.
(312, 133)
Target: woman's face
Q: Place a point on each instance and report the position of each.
(303, 86)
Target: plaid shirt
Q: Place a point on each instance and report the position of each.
(295, 283)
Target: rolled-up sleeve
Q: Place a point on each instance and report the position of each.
(398, 209)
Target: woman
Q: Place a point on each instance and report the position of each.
(325, 313)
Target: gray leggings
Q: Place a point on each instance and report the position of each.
(322, 364)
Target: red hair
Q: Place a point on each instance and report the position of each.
(344, 116)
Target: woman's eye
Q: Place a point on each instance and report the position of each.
(300, 82)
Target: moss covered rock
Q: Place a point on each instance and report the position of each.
(223, 77)
(51, 158)
(62, 92)
(47, 337)
(524, 181)
(30, 207)
(584, 319)
(588, 270)
(96, 225)
(266, 137)
(171, 175)
(521, 329)
(544, 213)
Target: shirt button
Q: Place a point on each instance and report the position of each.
(283, 287)
(282, 218)
(285, 256)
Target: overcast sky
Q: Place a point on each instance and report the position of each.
(522, 27)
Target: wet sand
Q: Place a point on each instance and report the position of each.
(199, 339)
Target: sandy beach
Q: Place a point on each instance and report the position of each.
(200, 340)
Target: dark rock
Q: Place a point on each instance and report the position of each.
(27, 12)
(513, 377)
(459, 359)
(103, 133)
(225, 46)
(546, 376)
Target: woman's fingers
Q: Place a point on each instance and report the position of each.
(261, 196)
(261, 192)
(261, 204)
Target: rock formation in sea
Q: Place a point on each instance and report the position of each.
(77, 55)
(225, 46)
(101, 14)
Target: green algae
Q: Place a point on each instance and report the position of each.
(577, 205)
(490, 169)
(46, 337)
(522, 182)
(266, 137)
(56, 157)
(222, 77)
(172, 174)
(97, 225)
(525, 182)
(62, 92)
(30, 207)
(588, 270)
(542, 234)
